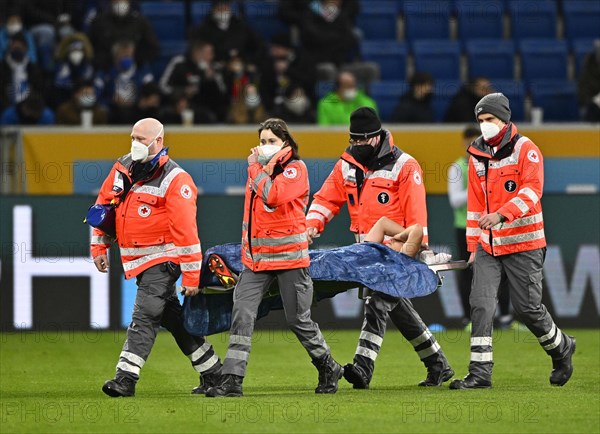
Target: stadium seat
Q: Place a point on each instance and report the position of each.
(386, 94)
(557, 98)
(582, 19)
(390, 55)
(440, 58)
(516, 93)
(262, 17)
(543, 59)
(581, 48)
(168, 49)
(377, 19)
(477, 19)
(167, 19)
(443, 91)
(533, 19)
(491, 58)
(426, 19)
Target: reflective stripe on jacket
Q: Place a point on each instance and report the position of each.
(511, 184)
(395, 191)
(157, 221)
(274, 226)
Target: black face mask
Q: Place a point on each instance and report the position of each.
(362, 153)
(17, 55)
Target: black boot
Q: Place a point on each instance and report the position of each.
(437, 374)
(562, 369)
(207, 381)
(330, 372)
(230, 386)
(355, 375)
(120, 386)
(471, 382)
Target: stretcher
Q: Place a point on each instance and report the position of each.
(365, 265)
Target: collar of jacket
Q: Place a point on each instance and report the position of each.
(283, 161)
(482, 151)
(125, 164)
(387, 153)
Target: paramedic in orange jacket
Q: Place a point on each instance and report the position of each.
(505, 235)
(158, 239)
(377, 179)
(275, 249)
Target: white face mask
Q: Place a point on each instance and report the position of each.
(222, 19)
(297, 105)
(139, 151)
(349, 94)
(252, 100)
(489, 130)
(120, 8)
(266, 152)
(76, 57)
(14, 28)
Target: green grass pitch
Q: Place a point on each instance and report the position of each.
(50, 382)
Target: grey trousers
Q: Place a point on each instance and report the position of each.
(400, 310)
(296, 291)
(157, 305)
(523, 272)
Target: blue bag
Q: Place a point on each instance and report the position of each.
(102, 217)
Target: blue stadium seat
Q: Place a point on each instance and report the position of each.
(582, 19)
(477, 19)
(491, 58)
(581, 48)
(426, 19)
(543, 59)
(167, 19)
(516, 93)
(386, 94)
(443, 91)
(533, 19)
(168, 49)
(377, 19)
(262, 17)
(390, 55)
(557, 98)
(440, 58)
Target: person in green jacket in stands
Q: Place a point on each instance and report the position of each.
(336, 106)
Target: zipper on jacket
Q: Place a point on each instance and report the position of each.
(249, 231)
(487, 203)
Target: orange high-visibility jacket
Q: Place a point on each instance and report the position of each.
(509, 183)
(156, 223)
(394, 190)
(274, 226)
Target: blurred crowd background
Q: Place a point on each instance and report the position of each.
(188, 62)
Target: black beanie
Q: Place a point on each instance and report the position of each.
(495, 104)
(364, 123)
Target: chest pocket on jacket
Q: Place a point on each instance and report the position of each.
(509, 179)
(382, 190)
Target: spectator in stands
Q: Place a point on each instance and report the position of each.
(283, 66)
(588, 85)
(49, 21)
(248, 109)
(14, 25)
(202, 81)
(463, 103)
(336, 106)
(295, 106)
(74, 63)
(84, 98)
(121, 22)
(176, 105)
(229, 34)
(149, 104)
(18, 75)
(326, 31)
(119, 87)
(30, 111)
(414, 107)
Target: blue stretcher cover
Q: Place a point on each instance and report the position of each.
(371, 265)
